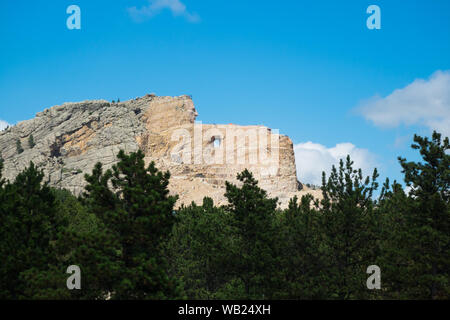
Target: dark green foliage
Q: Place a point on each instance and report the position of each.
(84, 242)
(2, 181)
(300, 252)
(253, 217)
(199, 249)
(31, 142)
(80, 220)
(394, 205)
(130, 243)
(138, 211)
(98, 256)
(427, 223)
(350, 229)
(29, 227)
(19, 148)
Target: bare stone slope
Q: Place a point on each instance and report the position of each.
(71, 138)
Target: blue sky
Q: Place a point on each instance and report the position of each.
(311, 69)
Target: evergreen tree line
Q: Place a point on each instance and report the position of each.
(130, 243)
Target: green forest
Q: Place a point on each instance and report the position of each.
(131, 243)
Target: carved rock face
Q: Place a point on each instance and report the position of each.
(71, 138)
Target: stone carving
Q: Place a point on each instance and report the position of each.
(72, 137)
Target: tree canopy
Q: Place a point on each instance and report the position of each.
(131, 242)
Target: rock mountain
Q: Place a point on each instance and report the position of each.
(71, 138)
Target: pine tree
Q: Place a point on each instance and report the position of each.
(29, 227)
(31, 142)
(428, 222)
(134, 204)
(350, 229)
(82, 241)
(2, 180)
(300, 252)
(393, 206)
(252, 213)
(201, 248)
(2, 161)
(19, 146)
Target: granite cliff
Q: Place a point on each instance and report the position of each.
(71, 138)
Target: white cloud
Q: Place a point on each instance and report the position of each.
(313, 158)
(423, 102)
(155, 7)
(3, 125)
(407, 189)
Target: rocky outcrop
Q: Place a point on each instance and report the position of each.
(71, 138)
